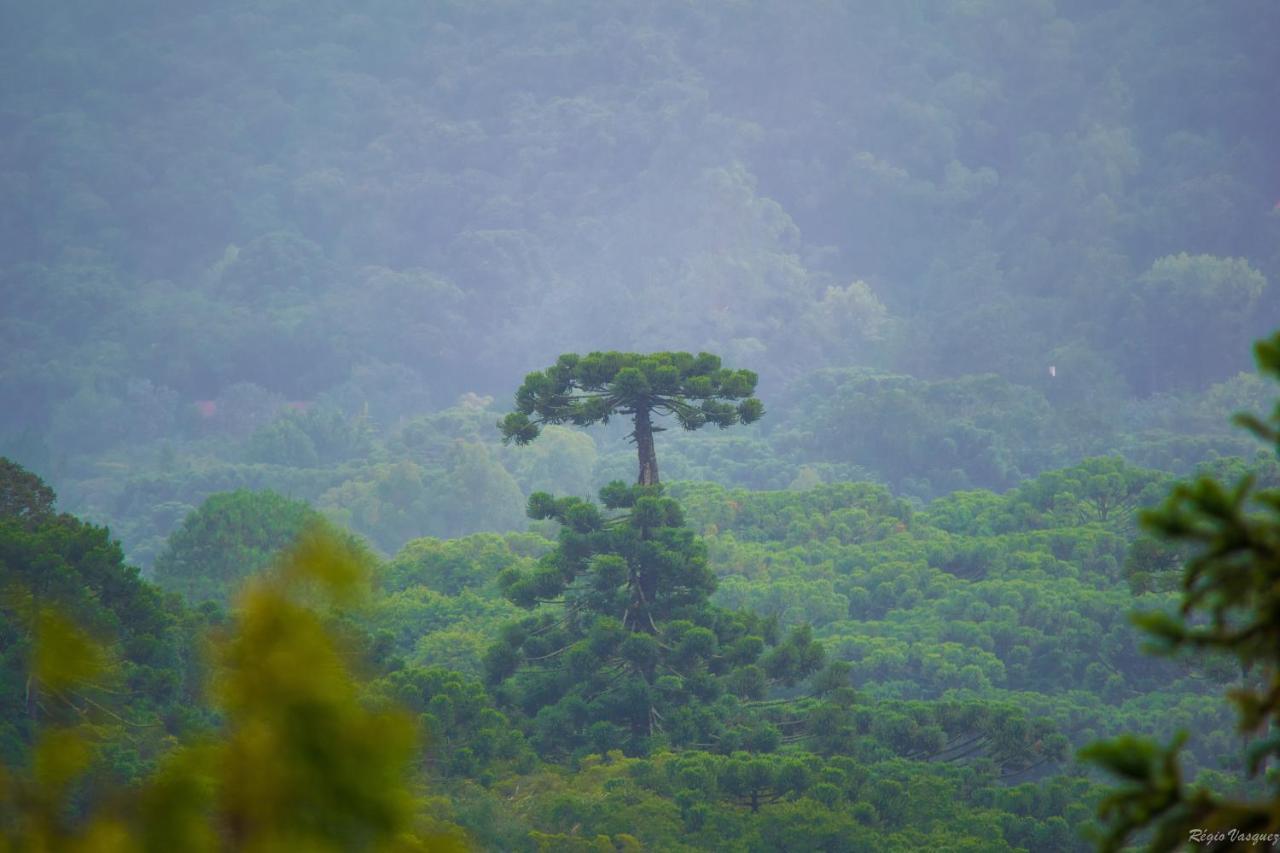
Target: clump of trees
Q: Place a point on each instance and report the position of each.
(230, 537)
(297, 760)
(1230, 606)
(56, 569)
(684, 667)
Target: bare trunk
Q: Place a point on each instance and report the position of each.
(641, 587)
(644, 449)
(32, 695)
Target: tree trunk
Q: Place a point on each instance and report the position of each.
(32, 700)
(644, 449)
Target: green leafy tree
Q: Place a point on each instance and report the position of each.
(469, 737)
(450, 566)
(1182, 316)
(756, 780)
(228, 538)
(23, 496)
(562, 462)
(317, 436)
(922, 437)
(1103, 489)
(479, 494)
(584, 390)
(300, 762)
(1230, 605)
(630, 647)
(1154, 564)
(394, 502)
(57, 563)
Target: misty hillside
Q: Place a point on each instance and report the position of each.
(992, 269)
(380, 210)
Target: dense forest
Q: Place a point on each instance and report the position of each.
(341, 348)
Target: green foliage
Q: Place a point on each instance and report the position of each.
(584, 390)
(309, 439)
(561, 462)
(402, 258)
(1032, 238)
(924, 438)
(465, 492)
(1184, 317)
(959, 624)
(24, 497)
(299, 762)
(1230, 605)
(966, 598)
(451, 565)
(58, 572)
(636, 653)
(1105, 490)
(438, 603)
(231, 536)
(469, 737)
(847, 512)
(691, 800)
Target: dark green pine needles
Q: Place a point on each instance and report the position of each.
(625, 645)
(584, 390)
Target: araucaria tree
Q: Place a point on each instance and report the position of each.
(583, 390)
(625, 647)
(628, 646)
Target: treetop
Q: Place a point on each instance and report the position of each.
(584, 390)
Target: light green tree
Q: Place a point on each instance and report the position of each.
(228, 538)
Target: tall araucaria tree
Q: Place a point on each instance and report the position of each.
(584, 390)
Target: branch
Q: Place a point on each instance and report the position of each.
(558, 651)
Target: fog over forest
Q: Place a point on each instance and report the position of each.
(995, 269)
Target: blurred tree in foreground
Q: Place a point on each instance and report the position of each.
(1230, 606)
(51, 560)
(299, 764)
(591, 389)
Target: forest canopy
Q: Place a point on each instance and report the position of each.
(270, 273)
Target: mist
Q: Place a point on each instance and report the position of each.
(980, 257)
